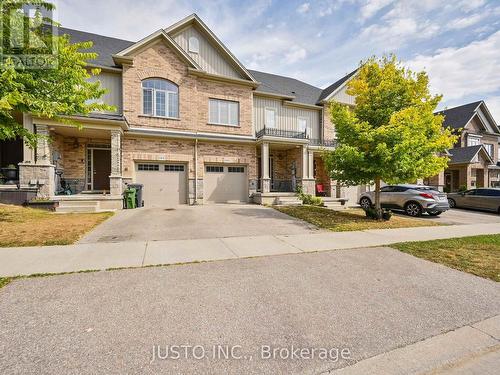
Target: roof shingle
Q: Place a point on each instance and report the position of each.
(458, 117)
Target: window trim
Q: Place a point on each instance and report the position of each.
(271, 109)
(153, 100)
(218, 112)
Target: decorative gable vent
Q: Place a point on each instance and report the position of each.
(194, 45)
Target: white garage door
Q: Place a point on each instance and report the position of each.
(225, 184)
(165, 185)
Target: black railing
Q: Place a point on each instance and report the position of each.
(323, 142)
(273, 132)
(282, 186)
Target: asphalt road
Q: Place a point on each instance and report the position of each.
(368, 301)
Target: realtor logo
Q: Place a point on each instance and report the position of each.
(28, 34)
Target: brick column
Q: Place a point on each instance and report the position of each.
(40, 175)
(266, 180)
(116, 180)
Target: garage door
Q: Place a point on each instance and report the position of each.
(225, 184)
(165, 185)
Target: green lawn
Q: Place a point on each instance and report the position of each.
(479, 255)
(349, 220)
(21, 226)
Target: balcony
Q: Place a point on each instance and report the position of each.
(323, 142)
(273, 132)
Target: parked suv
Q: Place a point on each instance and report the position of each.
(479, 199)
(413, 199)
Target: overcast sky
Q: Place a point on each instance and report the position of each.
(456, 42)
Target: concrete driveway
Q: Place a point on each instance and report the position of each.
(196, 222)
(368, 301)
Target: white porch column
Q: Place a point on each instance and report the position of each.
(266, 180)
(28, 152)
(308, 186)
(311, 165)
(115, 180)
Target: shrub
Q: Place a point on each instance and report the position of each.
(462, 188)
(308, 199)
(372, 214)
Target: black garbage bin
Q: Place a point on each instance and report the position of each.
(138, 188)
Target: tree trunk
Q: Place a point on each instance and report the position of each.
(378, 206)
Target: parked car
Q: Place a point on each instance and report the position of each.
(487, 199)
(412, 199)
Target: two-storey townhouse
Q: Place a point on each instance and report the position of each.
(192, 125)
(474, 159)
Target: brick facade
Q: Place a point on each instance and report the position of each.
(159, 61)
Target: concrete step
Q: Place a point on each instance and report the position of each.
(69, 209)
(78, 203)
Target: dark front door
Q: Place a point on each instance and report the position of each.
(101, 169)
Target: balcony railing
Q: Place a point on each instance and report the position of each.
(273, 132)
(323, 142)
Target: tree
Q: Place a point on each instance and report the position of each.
(392, 133)
(48, 93)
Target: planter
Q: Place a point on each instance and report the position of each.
(10, 175)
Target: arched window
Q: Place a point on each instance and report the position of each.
(194, 45)
(160, 98)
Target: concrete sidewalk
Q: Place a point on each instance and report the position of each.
(472, 349)
(100, 256)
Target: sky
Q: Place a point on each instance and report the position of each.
(456, 42)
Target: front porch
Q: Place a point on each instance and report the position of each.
(286, 165)
(77, 167)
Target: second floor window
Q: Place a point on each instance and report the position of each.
(224, 112)
(473, 141)
(489, 148)
(270, 118)
(160, 98)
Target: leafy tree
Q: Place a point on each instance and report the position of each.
(391, 134)
(48, 93)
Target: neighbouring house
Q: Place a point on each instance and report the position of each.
(192, 124)
(475, 159)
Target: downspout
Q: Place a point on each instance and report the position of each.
(195, 202)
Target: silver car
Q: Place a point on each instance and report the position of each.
(413, 199)
(487, 199)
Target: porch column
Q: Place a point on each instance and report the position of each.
(41, 174)
(308, 185)
(311, 165)
(28, 152)
(266, 180)
(115, 180)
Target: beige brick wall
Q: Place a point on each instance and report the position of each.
(329, 129)
(158, 60)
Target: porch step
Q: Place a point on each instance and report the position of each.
(77, 206)
(335, 204)
(288, 201)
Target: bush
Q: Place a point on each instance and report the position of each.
(462, 188)
(372, 214)
(308, 199)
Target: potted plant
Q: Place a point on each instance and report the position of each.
(10, 173)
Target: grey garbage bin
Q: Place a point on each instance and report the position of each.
(138, 188)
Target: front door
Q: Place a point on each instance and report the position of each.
(101, 169)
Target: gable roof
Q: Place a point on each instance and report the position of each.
(160, 34)
(337, 85)
(298, 91)
(104, 46)
(465, 155)
(194, 19)
(458, 117)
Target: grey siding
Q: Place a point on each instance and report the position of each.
(286, 117)
(343, 97)
(113, 83)
(209, 58)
